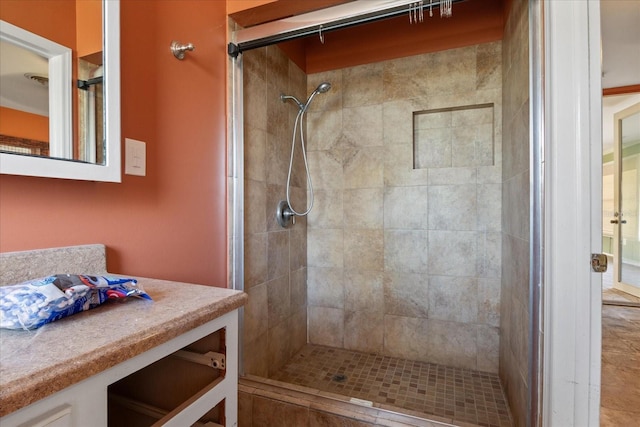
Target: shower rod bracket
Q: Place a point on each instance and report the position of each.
(233, 50)
(284, 214)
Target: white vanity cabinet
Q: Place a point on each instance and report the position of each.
(60, 375)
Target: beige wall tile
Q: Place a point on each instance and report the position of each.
(452, 253)
(405, 337)
(363, 250)
(256, 313)
(325, 287)
(255, 220)
(406, 251)
(254, 360)
(328, 209)
(326, 169)
(433, 148)
(255, 90)
(278, 116)
(363, 168)
(489, 302)
(326, 326)
(406, 294)
(453, 298)
(298, 330)
(406, 208)
(324, 248)
(363, 85)
(363, 290)
(489, 250)
(452, 343)
(398, 167)
(488, 65)
(255, 141)
(453, 176)
(489, 204)
(453, 207)
(451, 71)
(279, 346)
(278, 299)
(298, 285)
(488, 348)
(298, 246)
(324, 129)
(397, 119)
(433, 120)
(278, 254)
(363, 331)
(362, 126)
(363, 208)
(407, 78)
(255, 262)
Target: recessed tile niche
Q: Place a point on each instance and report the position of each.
(454, 137)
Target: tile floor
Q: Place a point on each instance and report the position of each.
(620, 387)
(460, 394)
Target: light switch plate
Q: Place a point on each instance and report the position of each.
(135, 158)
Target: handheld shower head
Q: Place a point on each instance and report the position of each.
(323, 87)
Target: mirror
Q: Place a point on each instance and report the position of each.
(81, 145)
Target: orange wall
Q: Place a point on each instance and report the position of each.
(54, 20)
(234, 6)
(170, 224)
(88, 27)
(24, 125)
(473, 22)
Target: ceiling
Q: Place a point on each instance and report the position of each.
(17, 91)
(620, 26)
(620, 22)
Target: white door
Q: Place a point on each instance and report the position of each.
(572, 167)
(626, 249)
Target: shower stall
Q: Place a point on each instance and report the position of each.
(403, 286)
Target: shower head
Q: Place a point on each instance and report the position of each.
(323, 87)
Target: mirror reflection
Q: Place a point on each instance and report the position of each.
(32, 101)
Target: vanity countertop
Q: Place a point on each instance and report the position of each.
(36, 364)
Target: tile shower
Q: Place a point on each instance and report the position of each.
(403, 245)
(401, 256)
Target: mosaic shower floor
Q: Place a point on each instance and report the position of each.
(463, 395)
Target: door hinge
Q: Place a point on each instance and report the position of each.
(599, 263)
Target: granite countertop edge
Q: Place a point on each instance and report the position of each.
(48, 380)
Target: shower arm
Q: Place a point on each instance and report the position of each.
(284, 98)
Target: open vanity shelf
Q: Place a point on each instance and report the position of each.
(146, 359)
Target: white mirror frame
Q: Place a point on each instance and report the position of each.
(15, 164)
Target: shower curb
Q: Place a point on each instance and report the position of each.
(340, 406)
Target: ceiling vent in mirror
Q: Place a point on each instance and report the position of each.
(38, 78)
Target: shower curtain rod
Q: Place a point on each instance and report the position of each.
(322, 21)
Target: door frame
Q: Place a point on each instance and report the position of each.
(617, 195)
(572, 173)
